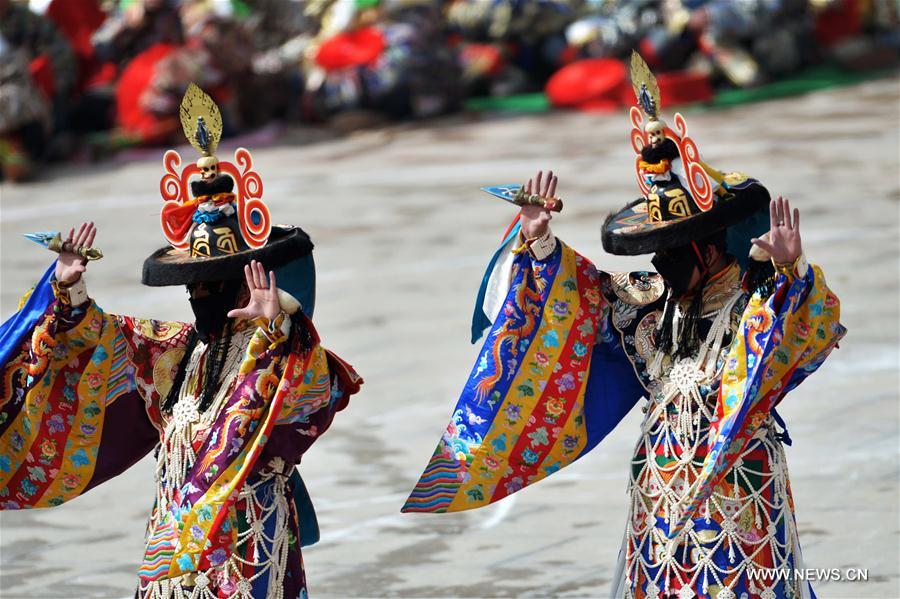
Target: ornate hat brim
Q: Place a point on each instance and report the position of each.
(169, 266)
(630, 232)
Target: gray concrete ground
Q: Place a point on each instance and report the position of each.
(402, 236)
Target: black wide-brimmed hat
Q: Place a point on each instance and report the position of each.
(169, 266)
(633, 231)
(213, 215)
(684, 199)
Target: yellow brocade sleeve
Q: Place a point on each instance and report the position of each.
(72, 410)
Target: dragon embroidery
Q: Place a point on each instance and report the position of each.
(528, 300)
(236, 424)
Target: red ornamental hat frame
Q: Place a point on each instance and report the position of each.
(698, 180)
(630, 231)
(252, 213)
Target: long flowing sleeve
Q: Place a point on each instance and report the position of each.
(781, 340)
(77, 387)
(548, 384)
(318, 394)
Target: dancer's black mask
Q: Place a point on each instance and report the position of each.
(676, 266)
(211, 306)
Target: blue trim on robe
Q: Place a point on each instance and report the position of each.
(298, 278)
(612, 391)
(479, 415)
(738, 236)
(22, 323)
(306, 513)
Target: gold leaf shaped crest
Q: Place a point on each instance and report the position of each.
(646, 90)
(201, 120)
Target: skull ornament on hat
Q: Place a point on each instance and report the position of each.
(209, 167)
(656, 132)
(214, 221)
(683, 198)
(213, 215)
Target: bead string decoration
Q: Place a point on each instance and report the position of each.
(265, 552)
(748, 517)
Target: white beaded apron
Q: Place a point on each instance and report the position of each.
(174, 461)
(666, 463)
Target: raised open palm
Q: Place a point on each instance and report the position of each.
(263, 294)
(783, 243)
(536, 218)
(70, 265)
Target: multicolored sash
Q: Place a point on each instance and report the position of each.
(197, 531)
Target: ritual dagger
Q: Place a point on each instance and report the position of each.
(53, 241)
(515, 194)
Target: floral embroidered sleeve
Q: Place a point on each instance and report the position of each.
(318, 390)
(549, 382)
(315, 384)
(76, 399)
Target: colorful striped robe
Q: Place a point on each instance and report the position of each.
(81, 402)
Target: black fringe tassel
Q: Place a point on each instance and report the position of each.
(664, 337)
(760, 278)
(215, 363)
(299, 335)
(689, 335)
(689, 339)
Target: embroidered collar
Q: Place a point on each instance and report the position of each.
(721, 287)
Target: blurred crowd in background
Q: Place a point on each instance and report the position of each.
(81, 79)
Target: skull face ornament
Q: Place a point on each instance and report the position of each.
(209, 167)
(656, 133)
(678, 487)
(729, 508)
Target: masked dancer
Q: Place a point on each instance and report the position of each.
(229, 403)
(712, 342)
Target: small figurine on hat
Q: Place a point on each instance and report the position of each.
(212, 193)
(674, 179)
(660, 151)
(230, 402)
(713, 342)
(209, 222)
